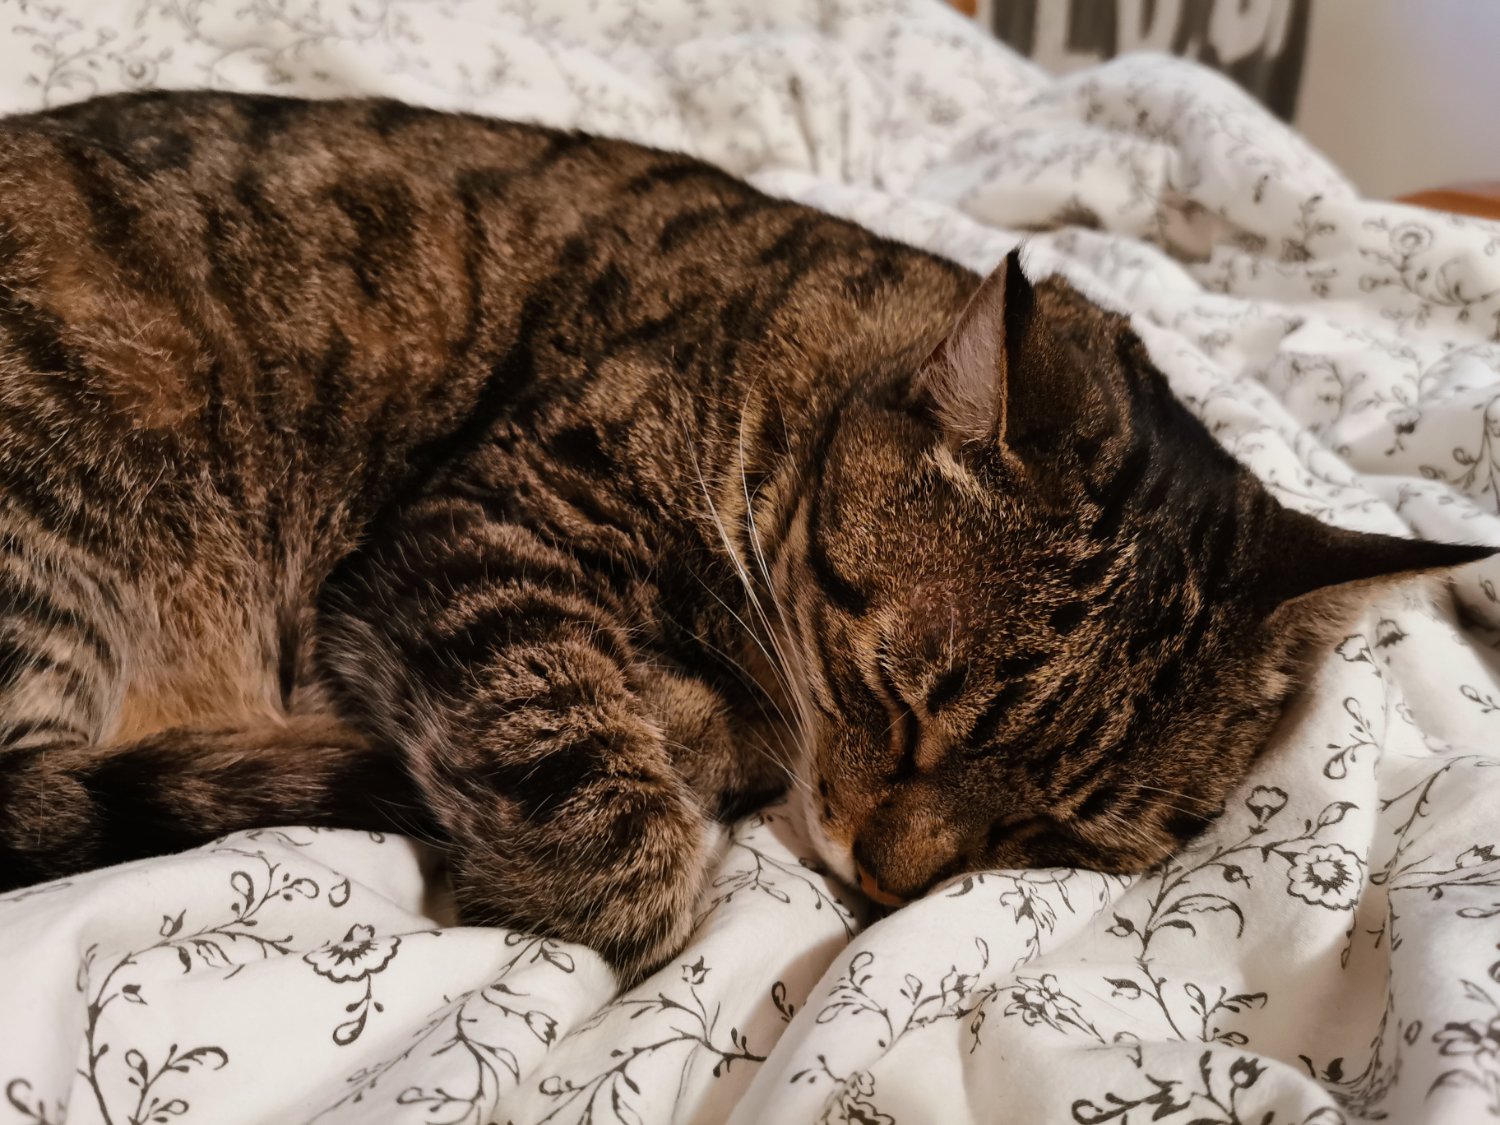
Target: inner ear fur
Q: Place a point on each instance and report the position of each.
(966, 382)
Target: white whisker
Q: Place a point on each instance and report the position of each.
(776, 656)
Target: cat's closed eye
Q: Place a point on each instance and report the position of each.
(1016, 829)
(906, 726)
(946, 688)
(980, 740)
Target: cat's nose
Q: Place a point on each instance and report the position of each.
(873, 890)
(897, 859)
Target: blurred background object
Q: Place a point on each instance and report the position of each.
(1403, 95)
(1259, 43)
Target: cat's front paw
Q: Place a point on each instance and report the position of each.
(621, 875)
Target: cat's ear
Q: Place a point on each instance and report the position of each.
(1305, 557)
(965, 381)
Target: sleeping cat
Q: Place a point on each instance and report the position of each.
(551, 497)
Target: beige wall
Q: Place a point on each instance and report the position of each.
(1404, 94)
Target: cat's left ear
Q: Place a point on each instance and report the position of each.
(1307, 558)
(966, 380)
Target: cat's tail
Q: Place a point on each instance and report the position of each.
(72, 808)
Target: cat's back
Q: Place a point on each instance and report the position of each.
(279, 281)
(227, 323)
(280, 299)
(183, 258)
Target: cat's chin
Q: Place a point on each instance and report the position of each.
(838, 860)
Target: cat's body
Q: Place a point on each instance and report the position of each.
(373, 467)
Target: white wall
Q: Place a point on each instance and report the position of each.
(1404, 94)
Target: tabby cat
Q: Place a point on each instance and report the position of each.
(552, 497)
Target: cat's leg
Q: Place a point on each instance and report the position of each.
(62, 655)
(63, 644)
(73, 796)
(505, 674)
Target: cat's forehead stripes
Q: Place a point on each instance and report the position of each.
(1088, 572)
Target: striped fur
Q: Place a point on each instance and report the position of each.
(550, 496)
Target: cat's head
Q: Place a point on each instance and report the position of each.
(1043, 618)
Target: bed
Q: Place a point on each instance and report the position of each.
(1329, 952)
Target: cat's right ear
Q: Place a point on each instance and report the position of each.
(964, 383)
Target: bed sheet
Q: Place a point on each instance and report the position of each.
(1328, 952)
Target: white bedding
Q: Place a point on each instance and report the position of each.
(1327, 953)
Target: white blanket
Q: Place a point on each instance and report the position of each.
(1327, 953)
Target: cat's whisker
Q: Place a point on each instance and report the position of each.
(1128, 832)
(771, 630)
(781, 757)
(796, 782)
(1112, 820)
(749, 678)
(794, 685)
(799, 693)
(751, 633)
(401, 817)
(746, 678)
(743, 575)
(1141, 786)
(886, 733)
(753, 535)
(796, 679)
(1132, 833)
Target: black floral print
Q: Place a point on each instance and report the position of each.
(1326, 875)
(358, 957)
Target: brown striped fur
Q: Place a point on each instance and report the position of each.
(550, 496)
